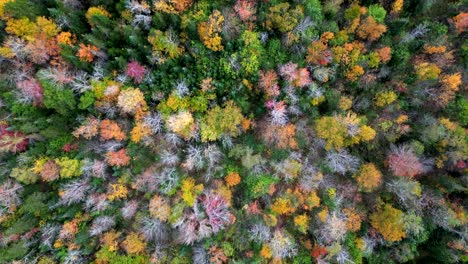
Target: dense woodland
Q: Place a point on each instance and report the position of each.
(233, 131)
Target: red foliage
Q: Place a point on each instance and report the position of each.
(269, 83)
(318, 251)
(12, 141)
(136, 71)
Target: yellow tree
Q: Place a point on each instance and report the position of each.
(388, 221)
(210, 30)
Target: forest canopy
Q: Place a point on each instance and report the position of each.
(240, 131)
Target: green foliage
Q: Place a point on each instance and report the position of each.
(60, 99)
(377, 12)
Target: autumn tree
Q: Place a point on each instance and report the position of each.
(109, 129)
(209, 31)
(403, 162)
(370, 29)
(283, 17)
(219, 121)
(388, 221)
(369, 177)
(118, 158)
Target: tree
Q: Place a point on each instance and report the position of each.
(136, 71)
(209, 31)
(160, 208)
(403, 162)
(461, 22)
(165, 45)
(190, 190)
(371, 30)
(109, 129)
(245, 9)
(388, 221)
(328, 128)
(12, 141)
(283, 17)
(221, 121)
(87, 52)
(183, 124)
(268, 82)
(118, 158)
(131, 101)
(172, 6)
(133, 244)
(368, 177)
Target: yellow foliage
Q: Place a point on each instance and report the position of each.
(312, 200)
(22, 28)
(427, 71)
(133, 244)
(110, 239)
(283, 206)
(96, 11)
(354, 72)
(117, 191)
(209, 31)
(190, 190)
(345, 103)
(451, 81)
(130, 100)
(2, 8)
(385, 98)
(301, 222)
(434, 49)
(139, 131)
(353, 220)
(266, 252)
(47, 26)
(367, 133)
(322, 215)
(388, 221)
(66, 38)
(329, 129)
(397, 6)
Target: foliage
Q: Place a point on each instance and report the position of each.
(244, 131)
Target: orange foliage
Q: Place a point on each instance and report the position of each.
(370, 29)
(232, 179)
(87, 52)
(385, 54)
(111, 130)
(434, 49)
(461, 22)
(118, 158)
(110, 239)
(353, 220)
